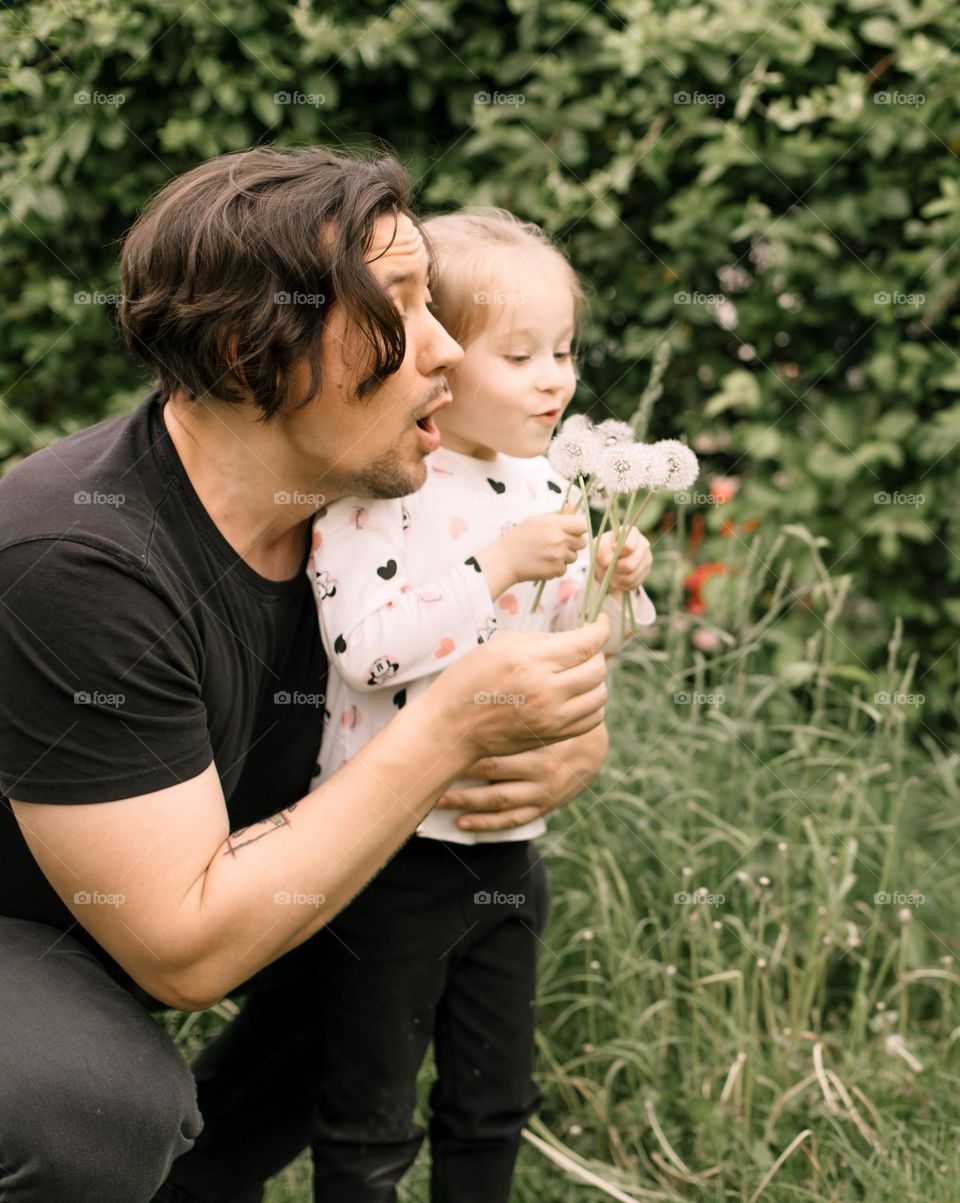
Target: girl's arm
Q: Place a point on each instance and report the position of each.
(379, 627)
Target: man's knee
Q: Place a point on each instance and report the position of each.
(99, 1122)
(95, 1100)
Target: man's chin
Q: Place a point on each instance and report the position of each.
(386, 481)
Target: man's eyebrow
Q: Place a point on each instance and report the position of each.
(405, 277)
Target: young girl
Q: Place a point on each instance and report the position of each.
(442, 944)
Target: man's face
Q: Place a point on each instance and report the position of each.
(374, 447)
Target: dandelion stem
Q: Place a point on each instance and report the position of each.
(539, 592)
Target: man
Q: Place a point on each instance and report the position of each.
(161, 684)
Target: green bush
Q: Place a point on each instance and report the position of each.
(772, 187)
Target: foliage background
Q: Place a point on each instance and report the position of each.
(802, 179)
(770, 187)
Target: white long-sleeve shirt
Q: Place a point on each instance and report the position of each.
(400, 596)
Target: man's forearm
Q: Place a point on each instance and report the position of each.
(272, 885)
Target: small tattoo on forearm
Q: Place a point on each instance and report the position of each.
(235, 840)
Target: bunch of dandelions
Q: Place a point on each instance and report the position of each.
(616, 475)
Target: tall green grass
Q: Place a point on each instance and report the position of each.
(748, 989)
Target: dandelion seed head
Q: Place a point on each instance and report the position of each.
(576, 424)
(947, 960)
(782, 848)
(903, 914)
(573, 453)
(827, 941)
(575, 1130)
(717, 925)
(594, 964)
(613, 432)
(671, 971)
(764, 881)
(587, 934)
(881, 1006)
(686, 871)
(622, 468)
(673, 464)
(761, 962)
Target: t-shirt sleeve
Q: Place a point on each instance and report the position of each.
(379, 626)
(100, 692)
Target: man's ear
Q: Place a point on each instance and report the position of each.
(232, 355)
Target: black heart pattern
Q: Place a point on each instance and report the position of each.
(388, 570)
(552, 484)
(497, 485)
(400, 699)
(474, 562)
(340, 644)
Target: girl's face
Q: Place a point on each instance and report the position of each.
(517, 376)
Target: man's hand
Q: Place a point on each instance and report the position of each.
(529, 784)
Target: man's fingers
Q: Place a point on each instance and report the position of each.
(585, 704)
(499, 795)
(568, 649)
(502, 821)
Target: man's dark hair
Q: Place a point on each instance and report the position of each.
(230, 271)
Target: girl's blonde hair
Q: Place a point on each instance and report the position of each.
(464, 277)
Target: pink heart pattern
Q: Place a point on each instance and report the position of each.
(444, 647)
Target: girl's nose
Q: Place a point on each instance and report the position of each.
(551, 376)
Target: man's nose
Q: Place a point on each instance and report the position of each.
(440, 352)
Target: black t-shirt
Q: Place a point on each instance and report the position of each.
(136, 646)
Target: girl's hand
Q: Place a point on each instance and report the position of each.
(633, 563)
(537, 549)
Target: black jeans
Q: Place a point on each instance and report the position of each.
(442, 944)
(97, 1105)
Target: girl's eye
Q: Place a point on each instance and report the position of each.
(561, 355)
(518, 358)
